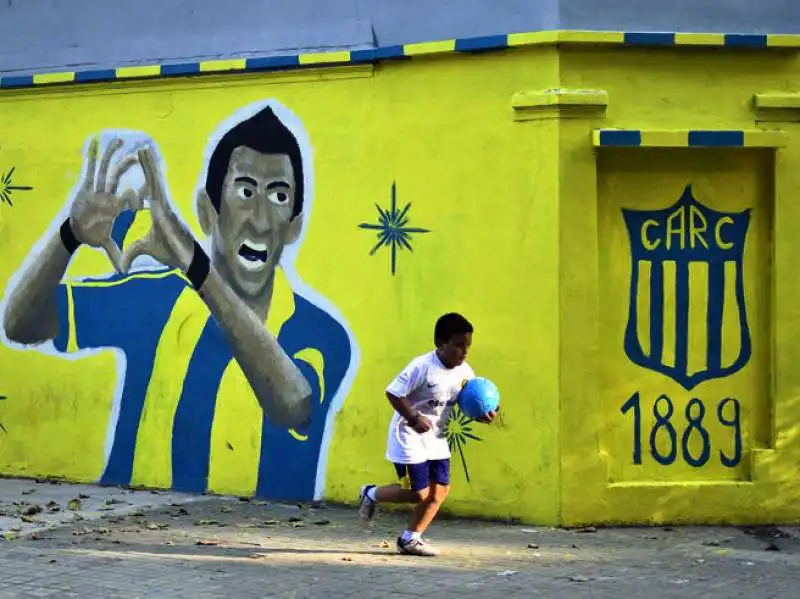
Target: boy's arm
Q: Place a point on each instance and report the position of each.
(398, 391)
(418, 422)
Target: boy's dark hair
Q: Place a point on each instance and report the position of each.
(448, 325)
(265, 133)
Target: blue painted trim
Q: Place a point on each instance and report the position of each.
(98, 75)
(649, 39)
(390, 53)
(620, 138)
(397, 52)
(478, 44)
(181, 68)
(716, 139)
(16, 81)
(272, 62)
(736, 40)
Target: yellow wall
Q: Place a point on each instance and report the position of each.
(436, 130)
(665, 94)
(527, 239)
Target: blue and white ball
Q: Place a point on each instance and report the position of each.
(478, 397)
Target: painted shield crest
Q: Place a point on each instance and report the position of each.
(686, 311)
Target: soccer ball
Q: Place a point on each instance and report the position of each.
(478, 397)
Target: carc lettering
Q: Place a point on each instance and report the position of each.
(674, 233)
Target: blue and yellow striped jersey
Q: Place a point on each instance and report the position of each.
(187, 418)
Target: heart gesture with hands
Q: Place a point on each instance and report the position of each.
(97, 204)
(168, 241)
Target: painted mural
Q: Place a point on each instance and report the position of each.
(213, 332)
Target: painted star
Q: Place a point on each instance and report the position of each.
(459, 433)
(7, 188)
(392, 229)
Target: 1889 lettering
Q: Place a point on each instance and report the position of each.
(728, 414)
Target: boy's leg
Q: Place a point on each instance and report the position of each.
(418, 481)
(410, 489)
(438, 489)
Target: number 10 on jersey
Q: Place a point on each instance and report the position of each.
(680, 431)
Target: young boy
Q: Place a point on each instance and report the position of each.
(423, 396)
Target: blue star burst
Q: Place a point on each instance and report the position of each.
(7, 188)
(459, 433)
(392, 229)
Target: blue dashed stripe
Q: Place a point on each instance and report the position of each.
(716, 139)
(98, 75)
(649, 39)
(398, 52)
(620, 138)
(475, 44)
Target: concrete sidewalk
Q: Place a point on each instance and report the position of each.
(181, 546)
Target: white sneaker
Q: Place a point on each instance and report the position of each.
(366, 507)
(416, 547)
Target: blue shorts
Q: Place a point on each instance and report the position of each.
(420, 476)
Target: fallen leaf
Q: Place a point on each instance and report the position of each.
(82, 531)
(207, 542)
(579, 578)
(205, 522)
(74, 504)
(322, 522)
(272, 522)
(28, 491)
(28, 519)
(156, 526)
(32, 509)
(295, 519)
(533, 546)
(298, 525)
(83, 496)
(9, 536)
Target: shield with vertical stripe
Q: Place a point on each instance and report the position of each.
(686, 311)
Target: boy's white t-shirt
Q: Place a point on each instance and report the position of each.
(431, 389)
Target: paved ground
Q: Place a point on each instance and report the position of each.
(164, 545)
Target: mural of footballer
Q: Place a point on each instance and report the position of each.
(251, 203)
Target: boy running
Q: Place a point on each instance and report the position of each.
(423, 396)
